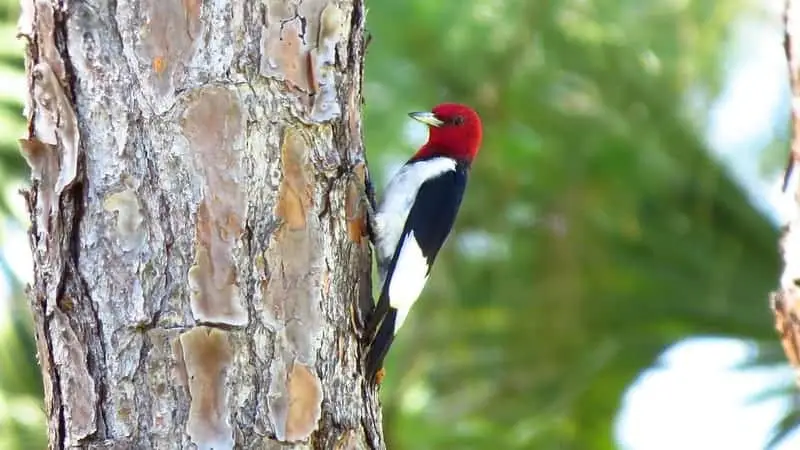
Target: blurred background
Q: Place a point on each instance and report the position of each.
(607, 284)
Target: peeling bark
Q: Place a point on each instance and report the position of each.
(200, 261)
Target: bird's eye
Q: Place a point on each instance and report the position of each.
(458, 120)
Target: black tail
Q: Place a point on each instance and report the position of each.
(381, 341)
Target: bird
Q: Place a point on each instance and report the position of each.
(415, 216)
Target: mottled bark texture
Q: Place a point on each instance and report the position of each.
(786, 300)
(196, 228)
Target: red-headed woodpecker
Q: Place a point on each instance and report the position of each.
(415, 216)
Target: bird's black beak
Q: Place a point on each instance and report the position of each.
(426, 117)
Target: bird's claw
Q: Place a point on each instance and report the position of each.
(367, 200)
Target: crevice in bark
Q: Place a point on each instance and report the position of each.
(355, 48)
(142, 402)
(96, 358)
(164, 212)
(61, 433)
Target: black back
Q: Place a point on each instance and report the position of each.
(433, 214)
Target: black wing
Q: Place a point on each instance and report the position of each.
(430, 219)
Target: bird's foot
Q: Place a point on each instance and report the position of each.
(366, 199)
(379, 376)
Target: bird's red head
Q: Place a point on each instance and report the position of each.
(455, 131)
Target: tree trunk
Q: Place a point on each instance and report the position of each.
(786, 300)
(200, 261)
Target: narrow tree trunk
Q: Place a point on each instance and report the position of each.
(200, 265)
(786, 300)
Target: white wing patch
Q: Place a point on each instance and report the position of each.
(409, 277)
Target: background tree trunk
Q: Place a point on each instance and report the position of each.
(786, 300)
(198, 244)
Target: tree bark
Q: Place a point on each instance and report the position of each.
(200, 263)
(786, 300)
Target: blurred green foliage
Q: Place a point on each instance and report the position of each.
(607, 231)
(22, 422)
(597, 229)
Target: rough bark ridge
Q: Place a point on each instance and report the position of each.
(197, 237)
(786, 300)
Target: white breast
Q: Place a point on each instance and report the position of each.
(398, 198)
